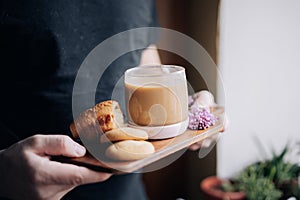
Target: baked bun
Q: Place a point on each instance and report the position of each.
(124, 133)
(107, 114)
(129, 150)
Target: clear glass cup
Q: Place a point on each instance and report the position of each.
(156, 95)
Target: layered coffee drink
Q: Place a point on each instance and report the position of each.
(156, 95)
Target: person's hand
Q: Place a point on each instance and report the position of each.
(26, 171)
(209, 142)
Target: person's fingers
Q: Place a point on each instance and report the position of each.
(68, 174)
(61, 191)
(203, 144)
(195, 146)
(225, 123)
(56, 145)
(206, 143)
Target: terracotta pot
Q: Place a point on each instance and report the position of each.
(211, 189)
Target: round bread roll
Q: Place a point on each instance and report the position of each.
(124, 133)
(107, 114)
(128, 150)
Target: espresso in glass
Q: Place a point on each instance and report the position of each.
(156, 95)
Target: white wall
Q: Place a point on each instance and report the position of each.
(259, 60)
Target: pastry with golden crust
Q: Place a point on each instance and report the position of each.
(107, 114)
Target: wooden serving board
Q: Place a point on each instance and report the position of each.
(163, 149)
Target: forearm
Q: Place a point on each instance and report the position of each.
(150, 56)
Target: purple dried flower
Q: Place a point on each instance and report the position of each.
(200, 118)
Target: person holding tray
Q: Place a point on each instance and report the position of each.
(43, 43)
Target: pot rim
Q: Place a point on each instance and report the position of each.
(209, 187)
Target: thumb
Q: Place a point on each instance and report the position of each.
(55, 145)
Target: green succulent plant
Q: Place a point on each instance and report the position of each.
(265, 180)
(256, 185)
